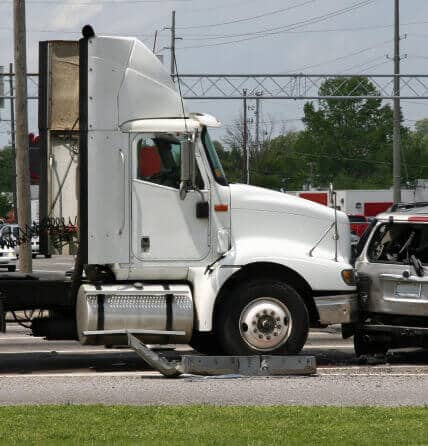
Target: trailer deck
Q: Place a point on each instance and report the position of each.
(36, 291)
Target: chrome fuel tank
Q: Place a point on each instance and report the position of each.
(134, 307)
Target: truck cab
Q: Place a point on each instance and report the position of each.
(172, 252)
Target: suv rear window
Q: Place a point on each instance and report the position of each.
(397, 242)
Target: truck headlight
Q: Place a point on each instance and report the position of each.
(11, 254)
(349, 276)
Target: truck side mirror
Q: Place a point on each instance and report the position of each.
(187, 179)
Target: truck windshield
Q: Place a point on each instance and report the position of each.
(213, 159)
(397, 242)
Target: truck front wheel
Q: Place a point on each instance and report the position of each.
(262, 317)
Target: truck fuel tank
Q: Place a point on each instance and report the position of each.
(146, 310)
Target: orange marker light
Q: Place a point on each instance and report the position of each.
(221, 207)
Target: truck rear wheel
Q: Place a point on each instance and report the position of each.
(262, 317)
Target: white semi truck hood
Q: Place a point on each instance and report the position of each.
(294, 225)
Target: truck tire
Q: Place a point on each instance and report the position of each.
(262, 317)
(368, 345)
(206, 343)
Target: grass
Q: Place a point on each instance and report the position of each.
(209, 425)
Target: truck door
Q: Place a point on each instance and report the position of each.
(165, 227)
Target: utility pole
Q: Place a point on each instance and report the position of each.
(12, 135)
(396, 146)
(245, 151)
(258, 94)
(22, 157)
(172, 47)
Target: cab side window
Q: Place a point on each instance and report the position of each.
(159, 161)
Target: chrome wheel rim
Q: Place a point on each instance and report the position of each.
(265, 324)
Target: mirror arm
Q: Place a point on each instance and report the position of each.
(188, 167)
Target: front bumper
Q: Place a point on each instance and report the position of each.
(7, 260)
(337, 309)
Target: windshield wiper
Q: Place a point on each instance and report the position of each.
(417, 264)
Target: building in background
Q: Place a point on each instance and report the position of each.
(366, 202)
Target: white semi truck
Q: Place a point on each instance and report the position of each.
(169, 250)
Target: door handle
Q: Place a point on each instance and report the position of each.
(122, 157)
(145, 244)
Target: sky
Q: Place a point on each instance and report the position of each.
(239, 36)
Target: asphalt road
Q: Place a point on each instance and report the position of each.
(35, 371)
(54, 264)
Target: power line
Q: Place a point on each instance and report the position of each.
(355, 53)
(282, 29)
(325, 30)
(296, 156)
(370, 61)
(247, 19)
(340, 157)
(376, 65)
(223, 36)
(273, 122)
(229, 5)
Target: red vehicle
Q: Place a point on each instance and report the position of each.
(359, 224)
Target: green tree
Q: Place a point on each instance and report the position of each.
(414, 150)
(347, 142)
(350, 141)
(421, 127)
(231, 161)
(5, 205)
(6, 169)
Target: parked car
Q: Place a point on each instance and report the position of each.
(7, 258)
(9, 233)
(392, 269)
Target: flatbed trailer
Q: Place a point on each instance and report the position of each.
(39, 291)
